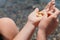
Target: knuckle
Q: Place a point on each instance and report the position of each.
(54, 17)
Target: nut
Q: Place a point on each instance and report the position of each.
(40, 14)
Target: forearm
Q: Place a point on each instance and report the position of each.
(41, 35)
(26, 32)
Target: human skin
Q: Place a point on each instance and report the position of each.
(51, 9)
(31, 27)
(48, 24)
(32, 21)
(28, 30)
(8, 28)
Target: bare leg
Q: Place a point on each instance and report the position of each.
(8, 28)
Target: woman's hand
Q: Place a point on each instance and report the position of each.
(50, 23)
(32, 18)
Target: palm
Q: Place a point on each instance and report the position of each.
(33, 18)
(51, 26)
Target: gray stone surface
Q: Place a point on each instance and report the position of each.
(18, 10)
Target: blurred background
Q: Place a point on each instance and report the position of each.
(18, 10)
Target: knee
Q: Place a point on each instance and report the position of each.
(8, 27)
(6, 20)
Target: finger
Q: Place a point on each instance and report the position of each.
(36, 10)
(50, 4)
(57, 12)
(57, 20)
(53, 16)
(53, 1)
(49, 13)
(53, 9)
(44, 17)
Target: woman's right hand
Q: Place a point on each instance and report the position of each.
(50, 23)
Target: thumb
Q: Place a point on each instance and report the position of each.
(36, 10)
(57, 11)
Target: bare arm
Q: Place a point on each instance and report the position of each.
(41, 35)
(28, 30)
(47, 25)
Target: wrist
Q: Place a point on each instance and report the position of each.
(41, 34)
(42, 29)
(33, 23)
(42, 26)
(30, 23)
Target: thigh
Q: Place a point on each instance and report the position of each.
(8, 28)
